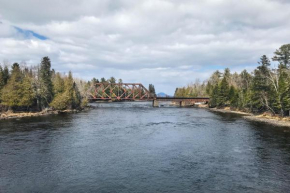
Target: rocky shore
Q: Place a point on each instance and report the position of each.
(272, 120)
(17, 115)
(264, 118)
(228, 110)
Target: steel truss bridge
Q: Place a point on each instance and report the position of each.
(134, 92)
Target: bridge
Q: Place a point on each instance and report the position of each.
(135, 92)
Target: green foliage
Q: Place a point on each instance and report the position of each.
(152, 90)
(223, 91)
(266, 90)
(18, 92)
(70, 98)
(282, 55)
(58, 84)
(11, 93)
(46, 86)
(21, 89)
(233, 97)
(214, 100)
(260, 86)
(6, 75)
(61, 101)
(112, 80)
(94, 81)
(28, 94)
(1, 80)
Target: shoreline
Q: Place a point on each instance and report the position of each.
(230, 111)
(275, 121)
(262, 118)
(18, 115)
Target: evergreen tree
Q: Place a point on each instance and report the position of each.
(282, 55)
(283, 82)
(112, 80)
(214, 99)
(1, 79)
(223, 95)
(12, 91)
(233, 97)
(94, 81)
(70, 98)
(6, 75)
(152, 90)
(58, 84)
(46, 86)
(27, 92)
(18, 92)
(261, 86)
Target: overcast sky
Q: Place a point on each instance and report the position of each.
(169, 43)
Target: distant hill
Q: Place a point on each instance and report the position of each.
(162, 94)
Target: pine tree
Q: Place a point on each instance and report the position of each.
(70, 98)
(58, 84)
(214, 97)
(112, 80)
(1, 79)
(46, 86)
(6, 75)
(27, 92)
(223, 95)
(94, 81)
(284, 84)
(152, 90)
(282, 55)
(12, 91)
(261, 86)
(233, 97)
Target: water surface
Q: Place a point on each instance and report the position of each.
(132, 147)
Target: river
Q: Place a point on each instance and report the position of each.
(132, 147)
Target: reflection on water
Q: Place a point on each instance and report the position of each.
(132, 147)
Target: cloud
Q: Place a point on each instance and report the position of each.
(165, 42)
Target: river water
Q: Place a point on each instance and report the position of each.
(132, 147)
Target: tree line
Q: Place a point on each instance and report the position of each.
(267, 88)
(40, 87)
(37, 88)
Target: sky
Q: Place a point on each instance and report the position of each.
(169, 43)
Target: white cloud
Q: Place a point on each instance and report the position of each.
(165, 42)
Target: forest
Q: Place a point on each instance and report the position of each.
(266, 89)
(41, 88)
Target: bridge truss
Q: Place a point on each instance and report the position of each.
(120, 92)
(135, 92)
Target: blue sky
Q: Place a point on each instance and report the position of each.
(30, 34)
(164, 42)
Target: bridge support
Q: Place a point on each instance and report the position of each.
(182, 103)
(155, 103)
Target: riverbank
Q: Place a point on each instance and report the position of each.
(17, 115)
(228, 110)
(263, 118)
(272, 120)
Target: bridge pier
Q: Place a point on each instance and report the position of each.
(155, 103)
(182, 103)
